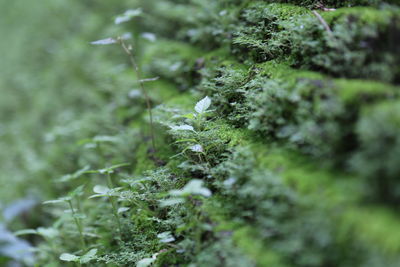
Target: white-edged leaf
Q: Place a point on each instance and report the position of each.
(197, 148)
(26, 232)
(88, 256)
(123, 209)
(149, 36)
(101, 189)
(193, 187)
(47, 232)
(147, 261)
(150, 79)
(69, 257)
(166, 237)
(128, 15)
(171, 202)
(106, 41)
(126, 36)
(184, 127)
(203, 105)
(57, 201)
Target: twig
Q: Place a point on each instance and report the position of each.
(323, 22)
(142, 88)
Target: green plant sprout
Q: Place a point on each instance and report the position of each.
(79, 260)
(128, 49)
(112, 194)
(110, 191)
(76, 216)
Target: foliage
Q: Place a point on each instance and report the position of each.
(267, 153)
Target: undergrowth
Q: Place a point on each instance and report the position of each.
(256, 133)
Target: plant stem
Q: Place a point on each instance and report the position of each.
(142, 88)
(114, 204)
(78, 225)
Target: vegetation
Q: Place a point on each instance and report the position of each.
(200, 133)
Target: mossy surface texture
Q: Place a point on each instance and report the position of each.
(273, 137)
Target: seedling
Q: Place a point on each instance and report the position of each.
(77, 217)
(128, 49)
(197, 119)
(110, 191)
(90, 255)
(112, 195)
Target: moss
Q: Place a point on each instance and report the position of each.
(233, 137)
(376, 225)
(363, 15)
(280, 10)
(360, 44)
(357, 90)
(330, 189)
(334, 190)
(247, 241)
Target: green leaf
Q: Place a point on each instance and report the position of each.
(77, 192)
(194, 187)
(101, 189)
(166, 237)
(111, 169)
(189, 116)
(128, 15)
(47, 232)
(89, 256)
(26, 232)
(69, 257)
(171, 202)
(184, 127)
(147, 261)
(202, 106)
(75, 175)
(57, 201)
(197, 148)
(106, 41)
(123, 209)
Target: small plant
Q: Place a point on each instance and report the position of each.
(86, 258)
(111, 192)
(75, 213)
(196, 120)
(128, 49)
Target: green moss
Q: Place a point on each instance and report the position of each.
(248, 242)
(375, 225)
(356, 90)
(231, 136)
(280, 10)
(358, 44)
(363, 15)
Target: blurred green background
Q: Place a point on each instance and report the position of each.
(49, 77)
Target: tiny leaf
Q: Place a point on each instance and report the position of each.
(106, 41)
(196, 148)
(149, 79)
(147, 261)
(89, 256)
(26, 232)
(184, 127)
(123, 209)
(69, 257)
(128, 15)
(202, 106)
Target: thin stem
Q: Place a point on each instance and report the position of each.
(324, 23)
(114, 204)
(142, 88)
(78, 225)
